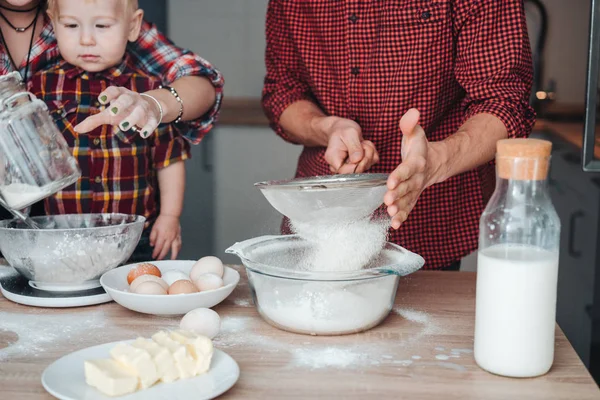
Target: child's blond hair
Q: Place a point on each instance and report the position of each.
(53, 5)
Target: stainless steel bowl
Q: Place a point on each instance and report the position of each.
(320, 302)
(72, 251)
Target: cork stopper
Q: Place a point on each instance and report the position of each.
(523, 159)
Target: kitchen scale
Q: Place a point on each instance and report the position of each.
(16, 288)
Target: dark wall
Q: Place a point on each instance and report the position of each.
(156, 11)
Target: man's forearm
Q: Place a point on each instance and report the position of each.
(299, 121)
(473, 145)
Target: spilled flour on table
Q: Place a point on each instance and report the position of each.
(350, 353)
(242, 302)
(315, 358)
(40, 333)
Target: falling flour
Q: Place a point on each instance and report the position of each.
(341, 246)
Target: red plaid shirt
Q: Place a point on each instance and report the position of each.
(153, 54)
(372, 60)
(119, 169)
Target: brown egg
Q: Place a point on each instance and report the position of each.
(182, 287)
(142, 269)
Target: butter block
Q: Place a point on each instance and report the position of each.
(110, 377)
(186, 365)
(138, 361)
(163, 359)
(200, 347)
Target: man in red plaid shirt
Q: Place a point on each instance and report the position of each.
(121, 170)
(346, 78)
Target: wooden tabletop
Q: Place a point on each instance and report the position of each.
(423, 350)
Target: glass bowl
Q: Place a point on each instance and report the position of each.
(71, 251)
(320, 302)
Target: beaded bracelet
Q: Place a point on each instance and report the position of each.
(176, 95)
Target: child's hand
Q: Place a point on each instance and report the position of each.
(165, 236)
(127, 109)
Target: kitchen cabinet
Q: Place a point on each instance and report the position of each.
(243, 155)
(197, 217)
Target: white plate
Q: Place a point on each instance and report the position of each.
(65, 379)
(115, 284)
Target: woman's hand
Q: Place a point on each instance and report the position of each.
(124, 108)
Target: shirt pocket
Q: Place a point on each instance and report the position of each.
(414, 36)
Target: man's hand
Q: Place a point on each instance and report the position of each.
(347, 151)
(407, 182)
(165, 236)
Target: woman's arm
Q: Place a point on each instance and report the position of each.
(197, 83)
(156, 54)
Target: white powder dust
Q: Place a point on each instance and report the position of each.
(38, 334)
(328, 357)
(341, 246)
(242, 303)
(442, 357)
(420, 317)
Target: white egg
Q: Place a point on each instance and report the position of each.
(202, 321)
(150, 287)
(205, 265)
(147, 278)
(171, 276)
(208, 282)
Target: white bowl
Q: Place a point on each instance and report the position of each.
(115, 284)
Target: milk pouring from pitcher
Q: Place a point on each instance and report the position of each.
(517, 268)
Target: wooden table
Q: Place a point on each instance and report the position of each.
(421, 351)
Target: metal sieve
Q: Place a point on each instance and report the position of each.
(329, 198)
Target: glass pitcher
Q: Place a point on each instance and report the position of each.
(517, 265)
(10, 84)
(35, 159)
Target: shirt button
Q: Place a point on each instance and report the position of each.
(96, 141)
(353, 18)
(98, 179)
(425, 14)
(355, 70)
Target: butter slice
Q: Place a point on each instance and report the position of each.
(163, 359)
(200, 347)
(110, 377)
(138, 361)
(186, 365)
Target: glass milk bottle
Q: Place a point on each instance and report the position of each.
(517, 265)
